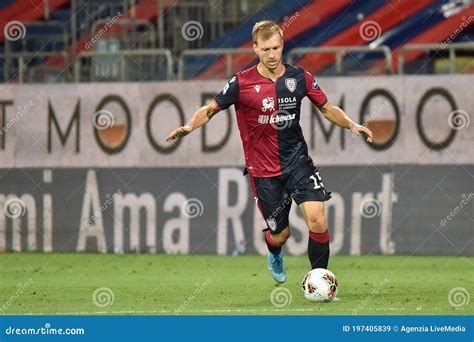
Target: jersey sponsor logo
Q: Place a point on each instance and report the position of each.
(282, 100)
(290, 84)
(268, 103)
(315, 84)
(275, 119)
(257, 88)
(263, 119)
(287, 103)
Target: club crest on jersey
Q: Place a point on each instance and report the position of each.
(271, 223)
(268, 104)
(290, 84)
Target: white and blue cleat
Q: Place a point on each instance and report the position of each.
(276, 267)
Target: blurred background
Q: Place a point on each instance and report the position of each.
(149, 40)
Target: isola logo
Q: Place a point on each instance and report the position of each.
(282, 100)
(287, 103)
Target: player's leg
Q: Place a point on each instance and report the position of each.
(318, 242)
(308, 192)
(274, 207)
(277, 240)
(276, 264)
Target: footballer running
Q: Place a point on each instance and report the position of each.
(267, 100)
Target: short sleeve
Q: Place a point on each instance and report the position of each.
(313, 91)
(229, 95)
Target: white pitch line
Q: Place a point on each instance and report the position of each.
(216, 311)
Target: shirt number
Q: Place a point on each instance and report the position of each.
(318, 183)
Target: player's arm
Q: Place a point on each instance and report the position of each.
(334, 114)
(227, 97)
(338, 117)
(200, 117)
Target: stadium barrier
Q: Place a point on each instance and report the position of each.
(85, 168)
(113, 65)
(25, 67)
(116, 63)
(451, 48)
(212, 53)
(340, 52)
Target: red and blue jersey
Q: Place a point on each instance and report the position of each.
(268, 116)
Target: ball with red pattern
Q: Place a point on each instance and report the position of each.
(320, 285)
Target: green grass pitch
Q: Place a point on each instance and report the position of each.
(224, 285)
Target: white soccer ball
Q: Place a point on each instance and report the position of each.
(320, 285)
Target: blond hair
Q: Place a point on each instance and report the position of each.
(265, 29)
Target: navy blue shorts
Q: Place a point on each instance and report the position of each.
(274, 195)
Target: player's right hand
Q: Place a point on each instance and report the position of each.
(178, 133)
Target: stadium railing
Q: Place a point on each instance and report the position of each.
(24, 67)
(128, 33)
(340, 52)
(116, 65)
(439, 47)
(227, 52)
(42, 36)
(159, 64)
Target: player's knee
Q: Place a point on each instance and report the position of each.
(317, 223)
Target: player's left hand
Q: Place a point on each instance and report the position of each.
(357, 129)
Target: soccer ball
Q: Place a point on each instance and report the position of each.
(320, 285)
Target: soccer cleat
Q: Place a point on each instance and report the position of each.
(276, 267)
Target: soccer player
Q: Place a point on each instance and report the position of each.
(267, 99)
